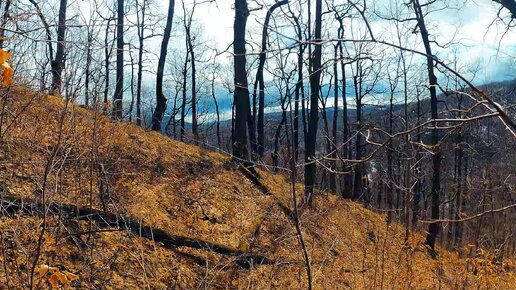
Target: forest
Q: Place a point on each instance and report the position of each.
(311, 128)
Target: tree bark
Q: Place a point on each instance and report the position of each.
(5, 17)
(88, 66)
(107, 54)
(141, 38)
(219, 142)
(357, 183)
(333, 154)
(315, 77)
(346, 191)
(161, 101)
(189, 43)
(182, 130)
(58, 63)
(241, 93)
(259, 78)
(299, 92)
(119, 87)
(433, 230)
(509, 5)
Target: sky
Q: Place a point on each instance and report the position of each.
(468, 22)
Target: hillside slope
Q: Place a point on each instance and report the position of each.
(123, 208)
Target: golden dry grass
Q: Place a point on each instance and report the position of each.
(191, 192)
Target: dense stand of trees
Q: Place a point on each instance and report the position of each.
(369, 112)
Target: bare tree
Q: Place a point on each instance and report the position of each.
(119, 86)
(436, 156)
(241, 93)
(315, 78)
(260, 82)
(5, 18)
(161, 100)
(187, 22)
(509, 5)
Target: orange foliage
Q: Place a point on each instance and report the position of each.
(7, 70)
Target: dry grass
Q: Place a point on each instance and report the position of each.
(195, 193)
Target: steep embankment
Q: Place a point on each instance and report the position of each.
(131, 209)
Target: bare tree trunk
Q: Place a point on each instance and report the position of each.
(326, 174)
(5, 17)
(433, 230)
(172, 120)
(459, 197)
(88, 66)
(107, 55)
(509, 5)
(182, 130)
(119, 87)
(141, 38)
(299, 92)
(131, 105)
(358, 182)
(346, 192)
(408, 175)
(58, 63)
(241, 94)
(161, 101)
(315, 78)
(194, 90)
(259, 78)
(277, 135)
(188, 24)
(418, 187)
(219, 143)
(390, 174)
(333, 153)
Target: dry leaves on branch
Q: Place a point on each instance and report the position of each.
(56, 277)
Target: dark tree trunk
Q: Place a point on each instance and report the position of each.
(131, 105)
(333, 154)
(459, 173)
(219, 142)
(119, 88)
(88, 66)
(509, 5)
(241, 93)
(299, 92)
(315, 77)
(107, 54)
(182, 130)
(277, 135)
(194, 90)
(58, 63)
(358, 182)
(47, 30)
(5, 17)
(408, 173)
(259, 79)
(141, 38)
(49, 43)
(433, 230)
(161, 101)
(189, 43)
(346, 191)
(390, 174)
(172, 119)
(418, 187)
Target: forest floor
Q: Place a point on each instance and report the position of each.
(125, 208)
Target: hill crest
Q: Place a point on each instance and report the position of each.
(124, 208)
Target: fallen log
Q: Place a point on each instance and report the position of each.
(13, 204)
